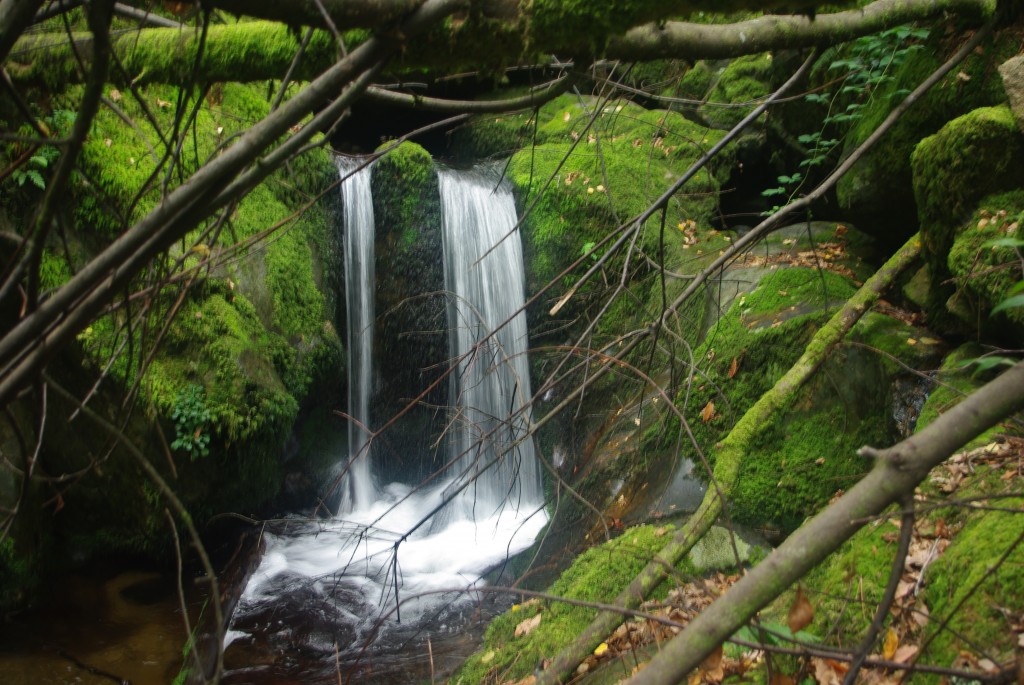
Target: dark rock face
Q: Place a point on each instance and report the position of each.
(410, 338)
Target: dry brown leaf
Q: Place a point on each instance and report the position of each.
(711, 668)
(527, 626)
(708, 412)
(782, 679)
(891, 644)
(734, 367)
(904, 654)
(801, 613)
(825, 673)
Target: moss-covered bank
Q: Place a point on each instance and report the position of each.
(250, 362)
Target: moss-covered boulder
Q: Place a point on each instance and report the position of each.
(875, 193)
(737, 89)
(973, 566)
(970, 157)
(410, 338)
(808, 453)
(986, 266)
(593, 171)
(597, 575)
(249, 363)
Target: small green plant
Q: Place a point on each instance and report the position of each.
(42, 158)
(869, 65)
(587, 248)
(191, 417)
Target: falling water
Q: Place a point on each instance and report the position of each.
(483, 266)
(328, 585)
(357, 485)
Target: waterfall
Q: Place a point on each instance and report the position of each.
(483, 267)
(391, 542)
(357, 486)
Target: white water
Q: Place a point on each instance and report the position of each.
(427, 539)
(483, 266)
(357, 488)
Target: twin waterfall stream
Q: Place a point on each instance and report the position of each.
(397, 559)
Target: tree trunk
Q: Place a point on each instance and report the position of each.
(262, 50)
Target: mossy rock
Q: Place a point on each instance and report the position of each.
(986, 273)
(410, 339)
(978, 579)
(696, 82)
(583, 180)
(874, 193)
(808, 453)
(957, 377)
(256, 334)
(737, 90)
(969, 158)
(597, 575)
(968, 571)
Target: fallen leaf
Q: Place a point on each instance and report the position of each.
(601, 649)
(891, 644)
(115, 95)
(824, 673)
(782, 679)
(487, 657)
(734, 367)
(911, 341)
(708, 412)
(904, 654)
(801, 613)
(527, 626)
(566, 117)
(712, 667)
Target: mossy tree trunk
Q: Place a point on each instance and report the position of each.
(264, 50)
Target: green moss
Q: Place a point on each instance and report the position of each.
(980, 588)
(984, 275)
(971, 157)
(696, 82)
(898, 344)
(621, 163)
(53, 270)
(744, 81)
(410, 336)
(847, 587)
(809, 451)
(955, 380)
(874, 192)
(597, 575)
